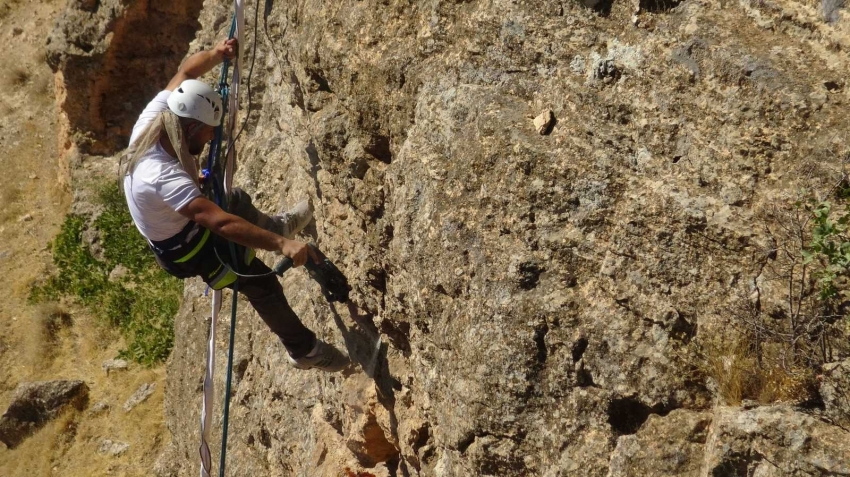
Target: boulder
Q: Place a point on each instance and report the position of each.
(113, 448)
(140, 396)
(664, 446)
(34, 404)
(774, 440)
(764, 441)
(114, 365)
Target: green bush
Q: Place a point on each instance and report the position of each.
(78, 273)
(142, 303)
(122, 243)
(830, 247)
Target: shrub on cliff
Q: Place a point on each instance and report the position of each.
(793, 317)
(121, 285)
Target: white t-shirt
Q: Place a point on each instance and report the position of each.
(159, 186)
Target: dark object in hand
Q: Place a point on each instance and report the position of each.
(334, 285)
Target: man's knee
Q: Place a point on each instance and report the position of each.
(240, 205)
(261, 287)
(239, 197)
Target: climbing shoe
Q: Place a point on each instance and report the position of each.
(324, 357)
(290, 222)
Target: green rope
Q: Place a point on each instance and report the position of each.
(219, 190)
(229, 380)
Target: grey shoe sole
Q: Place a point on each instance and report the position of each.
(327, 358)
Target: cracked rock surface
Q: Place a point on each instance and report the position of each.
(522, 304)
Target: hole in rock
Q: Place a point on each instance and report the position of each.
(398, 333)
(379, 147)
(467, 441)
(529, 275)
(584, 378)
(656, 6)
(265, 438)
(602, 7)
(833, 86)
(683, 330)
(375, 447)
(318, 78)
(540, 340)
(626, 415)
(579, 347)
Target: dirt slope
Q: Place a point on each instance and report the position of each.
(34, 201)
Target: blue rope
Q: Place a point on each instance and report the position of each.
(214, 173)
(214, 159)
(233, 302)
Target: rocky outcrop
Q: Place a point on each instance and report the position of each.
(775, 441)
(34, 404)
(835, 392)
(141, 395)
(110, 56)
(112, 448)
(523, 304)
(765, 441)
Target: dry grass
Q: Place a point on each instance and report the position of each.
(101, 336)
(43, 449)
(10, 196)
(781, 329)
(50, 319)
(19, 77)
(43, 86)
(738, 374)
(41, 344)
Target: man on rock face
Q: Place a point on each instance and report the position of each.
(188, 233)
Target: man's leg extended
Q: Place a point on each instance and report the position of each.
(266, 296)
(287, 223)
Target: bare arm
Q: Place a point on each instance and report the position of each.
(236, 229)
(202, 62)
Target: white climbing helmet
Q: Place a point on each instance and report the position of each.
(195, 99)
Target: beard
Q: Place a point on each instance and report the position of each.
(195, 149)
(193, 136)
(195, 146)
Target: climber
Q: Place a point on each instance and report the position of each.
(188, 233)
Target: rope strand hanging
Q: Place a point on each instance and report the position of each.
(218, 177)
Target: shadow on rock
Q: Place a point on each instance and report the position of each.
(365, 347)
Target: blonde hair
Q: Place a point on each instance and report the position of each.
(169, 122)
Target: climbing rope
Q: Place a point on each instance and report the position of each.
(219, 177)
(231, 155)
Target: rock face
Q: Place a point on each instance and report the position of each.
(835, 391)
(766, 441)
(34, 404)
(100, 49)
(522, 304)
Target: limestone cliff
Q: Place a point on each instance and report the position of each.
(523, 303)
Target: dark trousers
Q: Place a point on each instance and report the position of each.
(266, 296)
(264, 293)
